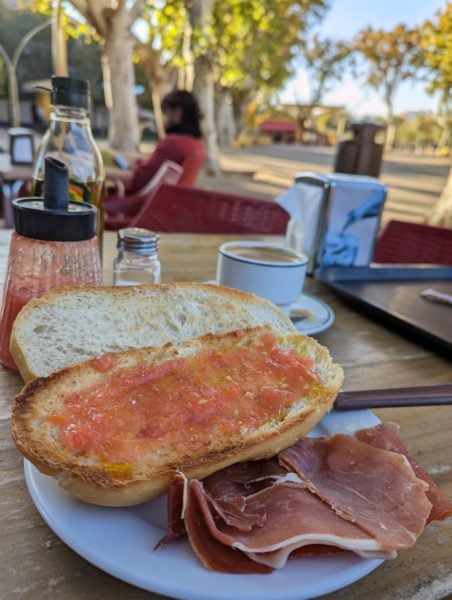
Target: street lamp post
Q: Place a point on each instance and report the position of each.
(11, 66)
(13, 92)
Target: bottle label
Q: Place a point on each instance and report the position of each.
(78, 192)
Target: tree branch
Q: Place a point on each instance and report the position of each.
(136, 10)
(81, 6)
(94, 13)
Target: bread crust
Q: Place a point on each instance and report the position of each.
(89, 479)
(71, 324)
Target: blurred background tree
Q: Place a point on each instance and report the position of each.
(236, 60)
(255, 45)
(436, 41)
(162, 51)
(391, 57)
(436, 44)
(111, 23)
(324, 64)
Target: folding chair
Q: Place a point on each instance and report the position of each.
(177, 208)
(403, 242)
(120, 210)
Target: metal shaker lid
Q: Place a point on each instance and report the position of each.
(136, 239)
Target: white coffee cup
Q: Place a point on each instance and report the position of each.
(268, 270)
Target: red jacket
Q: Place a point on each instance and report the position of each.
(175, 147)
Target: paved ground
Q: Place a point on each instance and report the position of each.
(414, 182)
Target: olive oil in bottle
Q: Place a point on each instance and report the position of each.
(69, 139)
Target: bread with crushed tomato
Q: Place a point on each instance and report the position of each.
(92, 478)
(72, 324)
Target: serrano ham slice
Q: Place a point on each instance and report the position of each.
(244, 479)
(364, 484)
(176, 526)
(361, 493)
(212, 553)
(294, 518)
(386, 436)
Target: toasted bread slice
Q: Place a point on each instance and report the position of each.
(114, 430)
(70, 325)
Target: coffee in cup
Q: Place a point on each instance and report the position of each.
(268, 270)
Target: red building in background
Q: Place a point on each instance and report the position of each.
(280, 129)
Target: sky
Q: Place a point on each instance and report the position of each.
(344, 19)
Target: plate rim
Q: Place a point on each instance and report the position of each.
(321, 326)
(42, 488)
(308, 330)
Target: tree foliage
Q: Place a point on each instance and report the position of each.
(436, 44)
(250, 46)
(255, 41)
(324, 63)
(392, 57)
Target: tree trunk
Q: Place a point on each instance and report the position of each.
(225, 118)
(158, 80)
(390, 135)
(124, 132)
(106, 79)
(204, 89)
(186, 73)
(391, 129)
(239, 107)
(441, 214)
(200, 12)
(59, 44)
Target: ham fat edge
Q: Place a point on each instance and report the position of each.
(360, 493)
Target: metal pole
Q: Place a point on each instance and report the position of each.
(13, 93)
(59, 47)
(27, 37)
(14, 87)
(11, 65)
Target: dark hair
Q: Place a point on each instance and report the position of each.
(191, 113)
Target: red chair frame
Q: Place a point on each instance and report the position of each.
(119, 211)
(403, 242)
(176, 208)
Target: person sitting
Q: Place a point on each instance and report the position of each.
(183, 140)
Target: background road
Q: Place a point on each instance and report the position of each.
(414, 182)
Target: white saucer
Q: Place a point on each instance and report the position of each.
(321, 316)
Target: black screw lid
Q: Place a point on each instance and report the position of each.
(68, 91)
(53, 218)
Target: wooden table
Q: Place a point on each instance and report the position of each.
(37, 565)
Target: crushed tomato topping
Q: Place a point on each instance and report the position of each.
(184, 402)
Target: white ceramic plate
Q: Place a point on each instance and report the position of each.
(321, 316)
(120, 541)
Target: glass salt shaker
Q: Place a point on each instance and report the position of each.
(137, 262)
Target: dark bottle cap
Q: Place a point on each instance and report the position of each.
(68, 91)
(53, 218)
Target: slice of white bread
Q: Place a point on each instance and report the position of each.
(109, 479)
(69, 325)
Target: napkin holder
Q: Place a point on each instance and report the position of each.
(334, 218)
